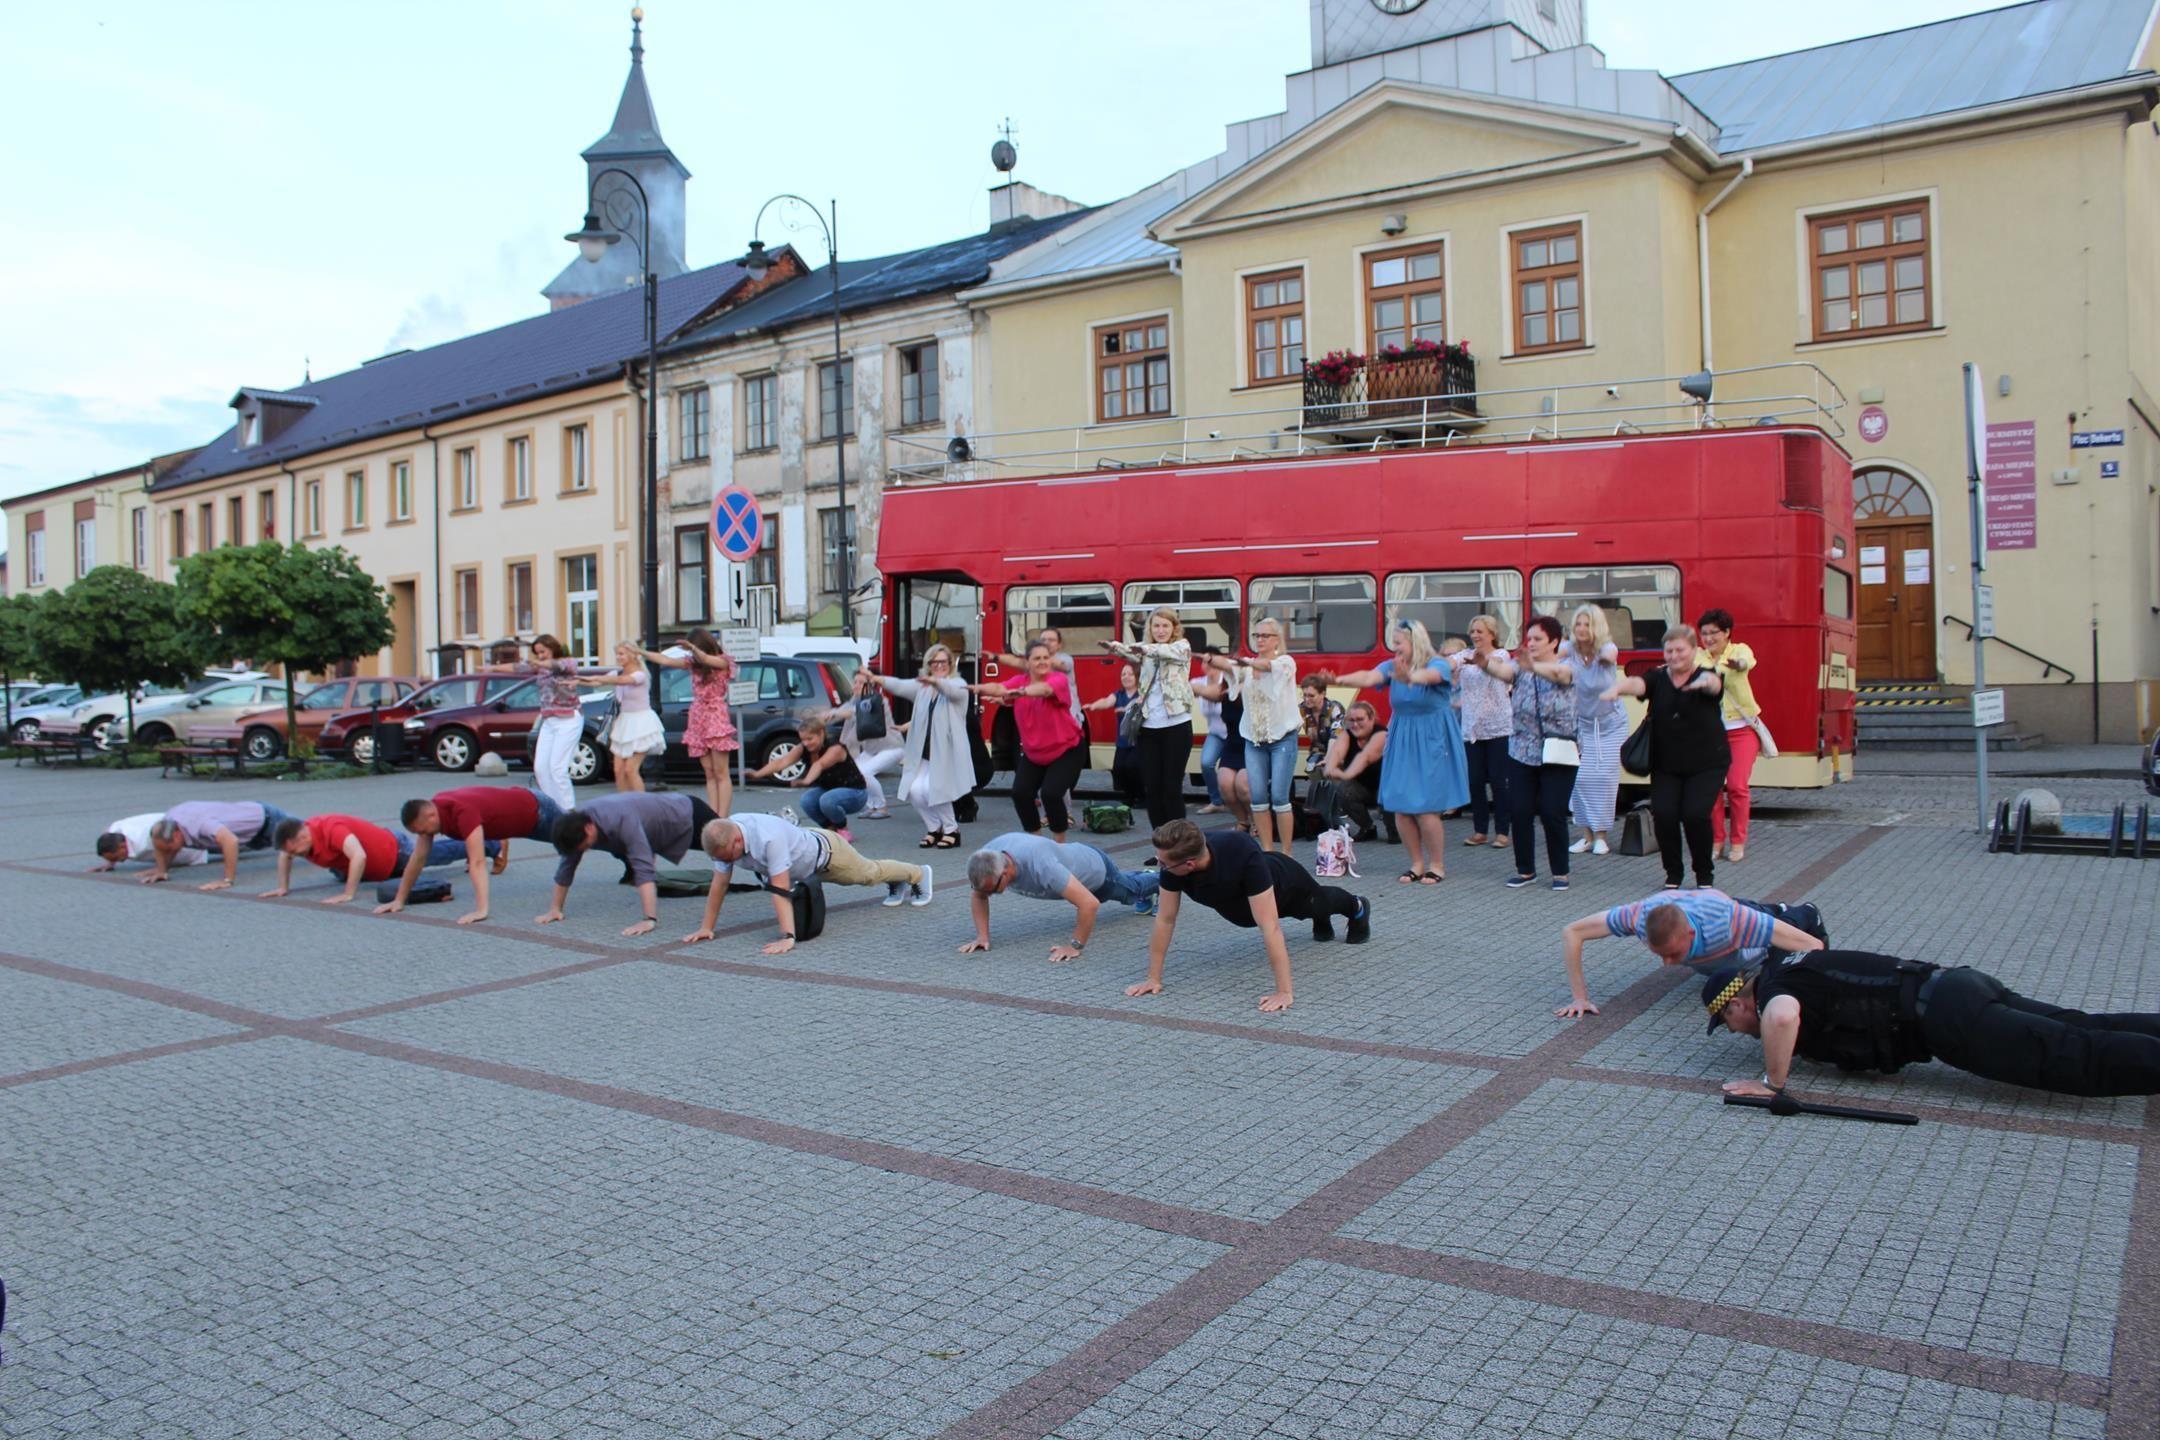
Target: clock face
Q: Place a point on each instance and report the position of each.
(1396, 7)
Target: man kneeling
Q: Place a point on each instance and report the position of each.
(1859, 1011)
(1042, 869)
(777, 852)
(1250, 887)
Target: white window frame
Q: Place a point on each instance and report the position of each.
(698, 397)
(1489, 601)
(356, 499)
(401, 490)
(518, 457)
(1291, 645)
(139, 535)
(1038, 603)
(587, 600)
(85, 546)
(937, 381)
(311, 499)
(34, 560)
(761, 421)
(577, 458)
(465, 466)
(1133, 612)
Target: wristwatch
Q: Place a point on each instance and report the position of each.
(1076, 944)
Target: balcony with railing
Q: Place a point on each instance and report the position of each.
(1428, 389)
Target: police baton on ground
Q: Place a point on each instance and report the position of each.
(1785, 1105)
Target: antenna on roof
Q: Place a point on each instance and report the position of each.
(1003, 154)
(307, 370)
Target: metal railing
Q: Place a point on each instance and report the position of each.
(2047, 667)
(1794, 392)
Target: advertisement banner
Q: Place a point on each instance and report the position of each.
(2013, 521)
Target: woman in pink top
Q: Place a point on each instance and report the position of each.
(709, 732)
(1053, 751)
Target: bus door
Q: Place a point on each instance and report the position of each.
(1084, 615)
(935, 610)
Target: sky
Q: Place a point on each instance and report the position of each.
(216, 194)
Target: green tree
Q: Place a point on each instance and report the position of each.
(290, 606)
(114, 629)
(15, 656)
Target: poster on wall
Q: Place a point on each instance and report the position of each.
(1917, 569)
(2013, 520)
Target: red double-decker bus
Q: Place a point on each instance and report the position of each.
(1654, 529)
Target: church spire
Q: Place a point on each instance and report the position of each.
(635, 135)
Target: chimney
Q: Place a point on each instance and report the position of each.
(1016, 202)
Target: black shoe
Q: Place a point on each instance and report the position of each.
(1360, 928)
(1323, 928)
(1367, 836)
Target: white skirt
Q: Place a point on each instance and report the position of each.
(637, 733)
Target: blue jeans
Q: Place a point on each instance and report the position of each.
(442, 850)
(544, 823)
(1210, 752)
(1270, 768)
(1127, 887)
(266, 838)
(829, 809)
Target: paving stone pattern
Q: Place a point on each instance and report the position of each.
(272, 1168)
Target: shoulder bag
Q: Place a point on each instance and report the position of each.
(1553, 749)
(1134, 720)
(870, 718)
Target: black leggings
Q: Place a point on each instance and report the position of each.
(1054, 781)
(1680, 805)
(1489, 768)
(1976, 1023)
(1540, 792)
(1164, 754)
(1357, 802)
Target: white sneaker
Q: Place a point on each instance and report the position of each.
(1601, 848)
(1578, 847)
(896, 893)
(919, 892)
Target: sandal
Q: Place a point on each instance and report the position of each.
(1408, 877)
(929, 840)
(950, 840)
(1431, 877)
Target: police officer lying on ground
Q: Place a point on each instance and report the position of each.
(1691, 927)
(1250, 887)
(1042, 869)
(1859, 1011)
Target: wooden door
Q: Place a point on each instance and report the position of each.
(1897, 601)
(404, 618)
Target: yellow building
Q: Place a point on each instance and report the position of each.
(1834, 231)
(59, 534)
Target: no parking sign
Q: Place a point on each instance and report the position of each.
(737, 527)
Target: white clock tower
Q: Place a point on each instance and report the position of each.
(1347, 29)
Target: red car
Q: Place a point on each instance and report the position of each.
(500, 722)
(346, 734)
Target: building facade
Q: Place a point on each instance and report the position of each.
(1834, 231)
(59, 534)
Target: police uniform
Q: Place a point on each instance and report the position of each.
(1861, 1011)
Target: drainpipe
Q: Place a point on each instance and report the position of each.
(435, 525)
(1702, 250)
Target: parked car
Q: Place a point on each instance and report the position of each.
(94, 715)
(844, 655)
(454, 737)
(166, 724)
(30, 720)
(788, 689)
(347, 732)
(51, 695)
(261, 733)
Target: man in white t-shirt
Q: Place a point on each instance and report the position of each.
(129, 839)
(777, 851)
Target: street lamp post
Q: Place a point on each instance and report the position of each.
(756, 263)
(592, 240)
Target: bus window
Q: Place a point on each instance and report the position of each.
(1208, 609)
(1445, 600)
(1323, 614)
(1836, 593)
(1641, 602)
(937, 612)
(1081, 614)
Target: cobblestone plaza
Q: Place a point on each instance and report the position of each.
(272, 1169)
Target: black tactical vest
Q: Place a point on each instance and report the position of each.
(1852, 1011)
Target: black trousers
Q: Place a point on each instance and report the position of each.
(1489, 767)
(1300, 897)
(1680, 806)
(1125, 775)
(1164, 754)
(1053, 782)
(1540, 793)
(1977, 1023)
(1358, 803)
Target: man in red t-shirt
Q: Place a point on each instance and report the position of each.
(358, 849)
(481, 818)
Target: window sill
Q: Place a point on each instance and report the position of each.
(1846, 342)
(575, 494)
(393, 524)
(1124, 420)
(758, 450)
(1286, 380)
(348, 530)
(693, 460)
(1561, 352)
(464, 509)
(934, 422)
(513, 504)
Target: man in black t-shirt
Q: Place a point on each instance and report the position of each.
(1250, 887)
(1860, 1011)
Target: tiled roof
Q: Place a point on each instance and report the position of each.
(546, 354)
(2009, 54)
(869, 284)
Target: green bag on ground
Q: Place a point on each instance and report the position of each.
(1107, 817)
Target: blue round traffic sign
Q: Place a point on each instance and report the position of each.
(737, 527)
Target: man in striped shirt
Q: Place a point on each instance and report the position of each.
(1687, 927)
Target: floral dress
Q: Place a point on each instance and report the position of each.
(710, 728)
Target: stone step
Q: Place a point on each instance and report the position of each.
(1884, 720)
(1948, 738)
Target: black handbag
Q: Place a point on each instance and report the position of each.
(1134, 717)
(870, 718)
(1635, 750)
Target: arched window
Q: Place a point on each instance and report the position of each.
(1889, 495)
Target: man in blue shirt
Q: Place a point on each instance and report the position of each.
(1688, 927)
(1042, 869)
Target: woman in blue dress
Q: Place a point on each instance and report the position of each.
(1426, 771)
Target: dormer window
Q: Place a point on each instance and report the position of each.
(250, 430)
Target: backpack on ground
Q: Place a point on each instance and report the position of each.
(425, 892)
(1106, 817)
(1335, 854)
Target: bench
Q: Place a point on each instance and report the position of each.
(183, 758)
(51, 750)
